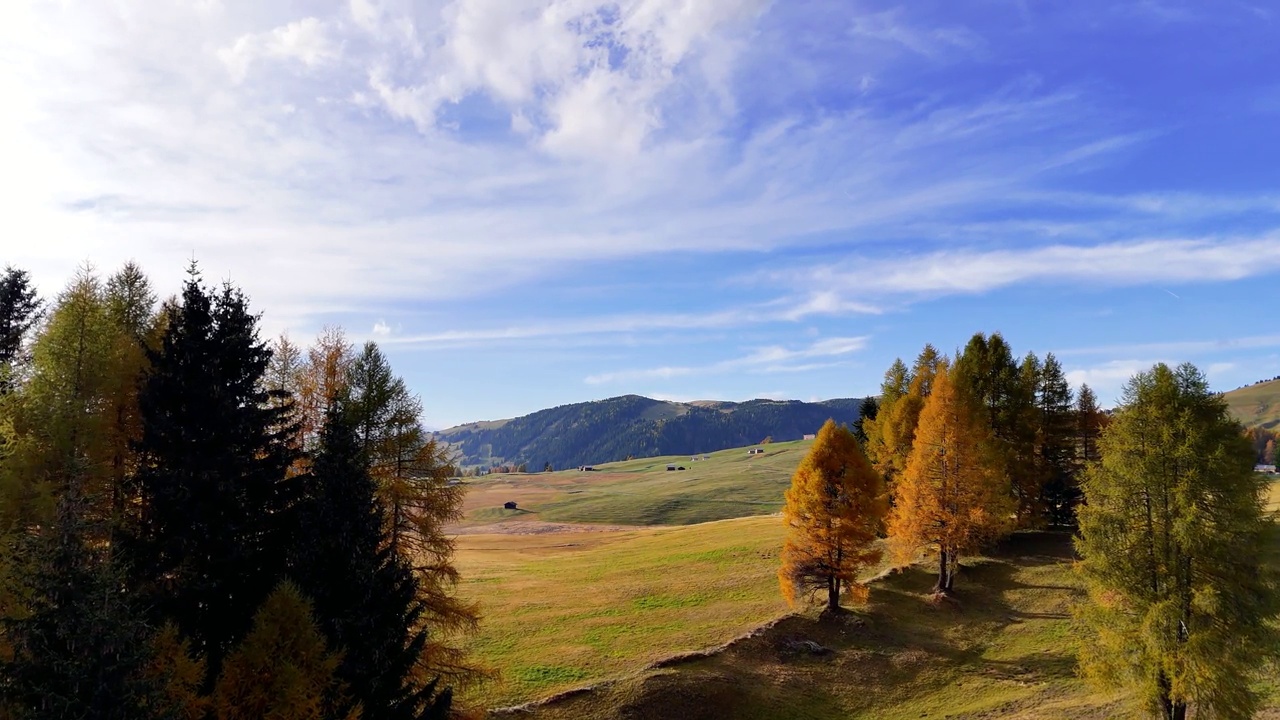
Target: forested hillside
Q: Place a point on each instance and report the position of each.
(631, 425)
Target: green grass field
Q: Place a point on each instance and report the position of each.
(565, 610)
(562, 609)
(1256, 405)
(729, 484)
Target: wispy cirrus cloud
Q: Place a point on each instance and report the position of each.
(974, 270)
(772, 359)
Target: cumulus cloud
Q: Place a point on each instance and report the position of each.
(306, 41)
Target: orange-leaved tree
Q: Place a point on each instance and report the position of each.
(954, 493)
(834, 510)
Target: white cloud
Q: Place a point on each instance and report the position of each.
(1137, 262)
(889, 26)
(381, 329)
(341, 172)
(771, 359)
(306, 41)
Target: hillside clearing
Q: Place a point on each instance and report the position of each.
(568, 610)
(1256, 405)
(728, 484)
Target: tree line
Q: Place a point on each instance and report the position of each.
(1177, 550)
(197, 523)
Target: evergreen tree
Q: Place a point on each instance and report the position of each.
(19, 313)
(1061, 490)
(1176, 546)
(954, 493)
(366, 597)
(833, 512)
(207, 543)
(987, 372)
(1090, 420)
(79, 649)
(867, 411)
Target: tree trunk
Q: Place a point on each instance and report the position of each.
(833, 593)
(944, 583)
(1179, 711)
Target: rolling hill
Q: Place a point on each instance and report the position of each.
(635, 426)
(1257, 405)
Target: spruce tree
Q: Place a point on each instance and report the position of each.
(207, 544)
(1061, 490)
(80, 648)
(19, 313)
(867, 411)
(1177, 553)
(366, 596)
(988, 374)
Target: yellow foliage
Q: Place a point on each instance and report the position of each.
(282, 669)
(834, 510)
(954, 492)
(177, 677)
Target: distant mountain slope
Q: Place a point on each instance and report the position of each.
(631, 425)
(1257, 405)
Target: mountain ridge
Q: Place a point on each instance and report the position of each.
(615, 428)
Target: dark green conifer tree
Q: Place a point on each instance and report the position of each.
(1061, 491)
(19, 312)
(207, 545)
(80, 648)
(366, 597)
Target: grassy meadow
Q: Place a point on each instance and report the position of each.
(1256, 404)
(729, 484)
(565, 610)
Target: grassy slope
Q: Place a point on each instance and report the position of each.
(1257, 405)
(567, 610)
(642, 492)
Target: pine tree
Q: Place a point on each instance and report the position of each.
(207, 543)
(19, 313)
(1031, 474)
(1089, 422)
(1175, 546)
(282, 669)
(867, 411)
(954, 493)
(366, 597)
(1061, 491)
(79, 649)
(834, 510)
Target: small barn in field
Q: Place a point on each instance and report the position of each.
(509, 505)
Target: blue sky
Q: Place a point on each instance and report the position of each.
(536, 202)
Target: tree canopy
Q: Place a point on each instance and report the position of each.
(1175, 546)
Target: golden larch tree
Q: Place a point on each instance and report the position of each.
(834, 510)
(954, 493)
(283, 668)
